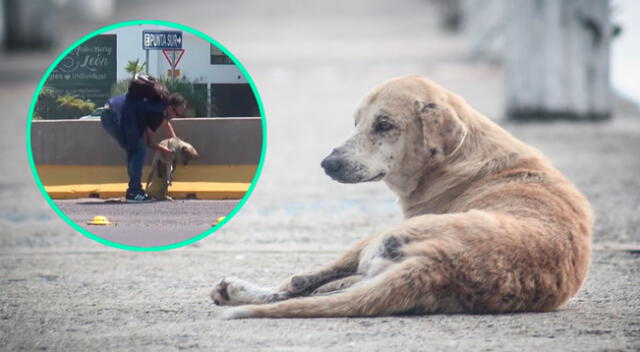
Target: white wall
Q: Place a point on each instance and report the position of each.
(195, 63)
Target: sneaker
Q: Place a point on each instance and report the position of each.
(138, 197)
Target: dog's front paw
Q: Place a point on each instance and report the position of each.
(219, 294)
(233, 292)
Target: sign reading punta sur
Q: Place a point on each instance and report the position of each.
(161, 40)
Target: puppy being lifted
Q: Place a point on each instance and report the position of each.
(490, 226)
(164, 165)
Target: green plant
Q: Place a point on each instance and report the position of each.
(196, 98)
(134, 67)
(86, 106)
(68, 102)
(46, 98)
(46, 92)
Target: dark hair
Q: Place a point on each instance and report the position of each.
(176, 99)
(146, 87)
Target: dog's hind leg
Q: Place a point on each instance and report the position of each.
(409, 286)
(338, 285)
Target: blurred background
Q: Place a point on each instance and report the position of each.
(560, 75)
(558, 57)
(568, 68)
(103, 66)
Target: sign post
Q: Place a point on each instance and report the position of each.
(162, 40)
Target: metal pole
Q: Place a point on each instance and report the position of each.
(146, 62)
(173, 64)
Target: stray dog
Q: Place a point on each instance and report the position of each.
(164, 165)
(490, 226)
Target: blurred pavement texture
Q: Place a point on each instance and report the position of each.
(151, 224)
(312, 62)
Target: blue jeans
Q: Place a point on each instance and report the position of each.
(135, 153)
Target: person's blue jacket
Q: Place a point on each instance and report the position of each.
(133, 117)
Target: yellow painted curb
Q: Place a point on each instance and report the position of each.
(179, 190)
(191, 182)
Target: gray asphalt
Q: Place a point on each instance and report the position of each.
(312, 62)
(154, 224)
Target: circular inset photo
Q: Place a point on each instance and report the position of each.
(146, 135)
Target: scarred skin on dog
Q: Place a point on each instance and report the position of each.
(490, 226)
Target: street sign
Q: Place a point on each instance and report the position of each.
(173, 56)
(157, 40)
(173, 74)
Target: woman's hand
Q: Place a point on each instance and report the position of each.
(166, 151)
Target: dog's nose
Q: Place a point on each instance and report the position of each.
(331, 164)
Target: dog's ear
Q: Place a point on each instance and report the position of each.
(442, 130)
(184, 155)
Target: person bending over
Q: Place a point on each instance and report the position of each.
(133, 119)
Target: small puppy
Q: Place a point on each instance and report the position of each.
(164, 165)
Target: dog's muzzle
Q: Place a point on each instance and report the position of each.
(339, 168)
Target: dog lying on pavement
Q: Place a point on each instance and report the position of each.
(490, 226)
(164, 164)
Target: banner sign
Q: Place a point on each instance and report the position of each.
(88, 71)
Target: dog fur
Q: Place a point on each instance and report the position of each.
(490, 226)
(164, 164)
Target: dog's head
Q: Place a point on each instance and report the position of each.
(403, 127)
(187, 153)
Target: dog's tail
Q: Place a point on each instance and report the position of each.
(400, 289)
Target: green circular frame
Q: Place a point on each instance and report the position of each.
(118, 245)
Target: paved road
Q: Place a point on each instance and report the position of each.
(312, 63)
(153, 224)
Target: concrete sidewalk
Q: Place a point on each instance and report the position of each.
(312, 62)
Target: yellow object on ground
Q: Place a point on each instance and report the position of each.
(190, 182)
(219, 220)
(99, 220)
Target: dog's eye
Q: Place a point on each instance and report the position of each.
(382, 126)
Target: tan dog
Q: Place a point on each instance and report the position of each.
(164, 164)
(491, 226)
